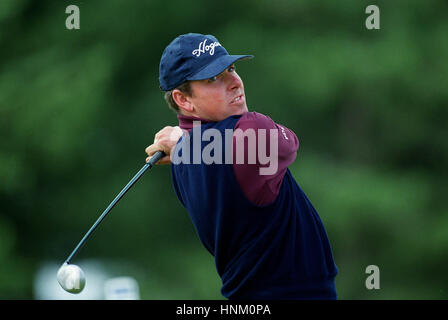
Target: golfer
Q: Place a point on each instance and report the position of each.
(230, 171)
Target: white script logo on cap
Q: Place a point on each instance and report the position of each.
(204, 48)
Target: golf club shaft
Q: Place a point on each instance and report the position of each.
(156, 157)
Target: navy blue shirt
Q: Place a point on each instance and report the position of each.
(274, 251)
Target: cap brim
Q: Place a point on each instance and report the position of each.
(217, 66)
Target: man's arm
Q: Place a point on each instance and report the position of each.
(280, 145)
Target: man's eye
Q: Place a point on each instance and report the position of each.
(231, 69)
(212, 79)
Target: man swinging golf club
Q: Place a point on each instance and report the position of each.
(248, 210)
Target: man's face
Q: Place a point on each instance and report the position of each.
(219, 97)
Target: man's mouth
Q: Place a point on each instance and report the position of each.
(237, 99)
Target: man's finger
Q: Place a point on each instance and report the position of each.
(164, 160)
(152, 149)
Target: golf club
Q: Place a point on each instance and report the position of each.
(70, 276)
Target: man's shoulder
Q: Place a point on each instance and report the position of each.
(247, 120)
(254, 120)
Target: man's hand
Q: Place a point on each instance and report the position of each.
(165, 140)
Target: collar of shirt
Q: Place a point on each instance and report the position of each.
(186, 122)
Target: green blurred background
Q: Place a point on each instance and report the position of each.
(78, 108)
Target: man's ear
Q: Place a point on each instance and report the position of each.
(182, 100)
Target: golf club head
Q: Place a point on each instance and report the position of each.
(71, 278)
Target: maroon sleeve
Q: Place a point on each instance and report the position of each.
(280, 147)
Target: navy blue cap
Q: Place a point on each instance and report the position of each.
(193, 56)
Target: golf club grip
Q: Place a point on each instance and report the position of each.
(156, 157)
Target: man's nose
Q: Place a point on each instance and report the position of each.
(235, 81)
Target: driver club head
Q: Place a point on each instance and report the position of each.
(71, 278)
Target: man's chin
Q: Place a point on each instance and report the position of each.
(238, 112)
(241, 110)
(234, 112)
